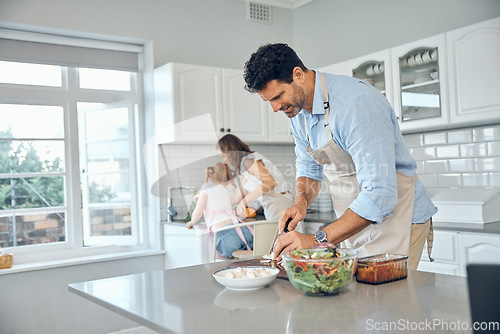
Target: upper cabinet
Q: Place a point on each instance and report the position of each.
(375, 69)
(444, 81)
(243, 113)
(199, 104)
(419, 78)
(474, 70)
(339, 68)
(188, 101)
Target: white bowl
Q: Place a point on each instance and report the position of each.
(245, 283)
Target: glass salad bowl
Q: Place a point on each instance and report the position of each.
(320, 271)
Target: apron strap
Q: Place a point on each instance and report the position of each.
(326, 103)
(324, 91)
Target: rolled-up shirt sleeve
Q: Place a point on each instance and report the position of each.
(304, 164)
(367, 134)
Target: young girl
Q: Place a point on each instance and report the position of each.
(214, 203)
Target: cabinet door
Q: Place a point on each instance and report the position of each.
(339, 68)
(279, 126)
(244, 113)
(376, 70)
(188, 103)
(474, 72)
(478, 248)
(420, 87)
(444, 253)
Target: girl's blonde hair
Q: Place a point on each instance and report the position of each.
(221, 174)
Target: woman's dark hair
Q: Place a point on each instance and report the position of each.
(271, 62)
(234, 148)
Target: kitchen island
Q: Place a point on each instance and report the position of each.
(189, 300)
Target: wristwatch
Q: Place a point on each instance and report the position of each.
(320, 237)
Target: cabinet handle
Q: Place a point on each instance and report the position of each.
(221, 129)
(228, 130)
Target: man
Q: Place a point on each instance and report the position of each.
(344, 128)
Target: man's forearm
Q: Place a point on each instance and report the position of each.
(346, 226)
(306, 190)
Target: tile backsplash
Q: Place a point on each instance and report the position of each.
(468, 157)
(184, 165)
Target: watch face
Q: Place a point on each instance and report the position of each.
(320, 236)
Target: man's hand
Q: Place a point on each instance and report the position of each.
(290, 241)
(296, 212)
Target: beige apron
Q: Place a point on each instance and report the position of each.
(393, 235)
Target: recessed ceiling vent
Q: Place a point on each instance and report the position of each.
(258, 12)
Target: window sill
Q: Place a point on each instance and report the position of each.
(19, 268)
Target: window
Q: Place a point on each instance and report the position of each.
(69, 134)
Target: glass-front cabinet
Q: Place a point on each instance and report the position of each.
(376, 70)
(420, 83)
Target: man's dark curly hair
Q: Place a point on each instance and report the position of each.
(271, 62)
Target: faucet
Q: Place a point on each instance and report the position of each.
(171, 212)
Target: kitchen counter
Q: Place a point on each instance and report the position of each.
(466, 227)
(188, 300)
(328, 217)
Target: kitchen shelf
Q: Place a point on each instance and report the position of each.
(420, 84)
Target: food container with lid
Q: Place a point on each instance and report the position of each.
(382, 268)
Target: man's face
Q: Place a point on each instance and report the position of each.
(289, 98)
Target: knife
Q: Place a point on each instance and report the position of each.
(277, 236)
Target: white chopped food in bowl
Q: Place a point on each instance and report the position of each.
(252, 272)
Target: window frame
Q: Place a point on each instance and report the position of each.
(147, 206)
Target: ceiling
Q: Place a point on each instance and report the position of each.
(290, 4)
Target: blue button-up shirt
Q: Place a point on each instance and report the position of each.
(363, 123)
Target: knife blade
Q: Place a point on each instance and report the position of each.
(277, 236)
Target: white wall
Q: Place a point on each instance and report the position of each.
(330, 31)
(217, 33)
(205, 32)
(39, 301)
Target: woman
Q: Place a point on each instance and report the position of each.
(256, 180)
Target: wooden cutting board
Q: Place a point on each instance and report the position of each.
(256, 262)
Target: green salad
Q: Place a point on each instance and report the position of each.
(325, 274)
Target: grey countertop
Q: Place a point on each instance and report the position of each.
(189, 300)
(466, 227)
(328, 217)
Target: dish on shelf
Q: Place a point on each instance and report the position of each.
(423, 75)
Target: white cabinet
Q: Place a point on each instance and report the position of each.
(478, 248)
(452, 251)
(444, 253)
(420, 84)
(183, 93)
(279, 126)
(375, 69)
(474, 70)
(243, 114)
(339, 68)
(185, 247)
(199, 104)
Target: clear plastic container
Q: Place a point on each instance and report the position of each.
(382, 268)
